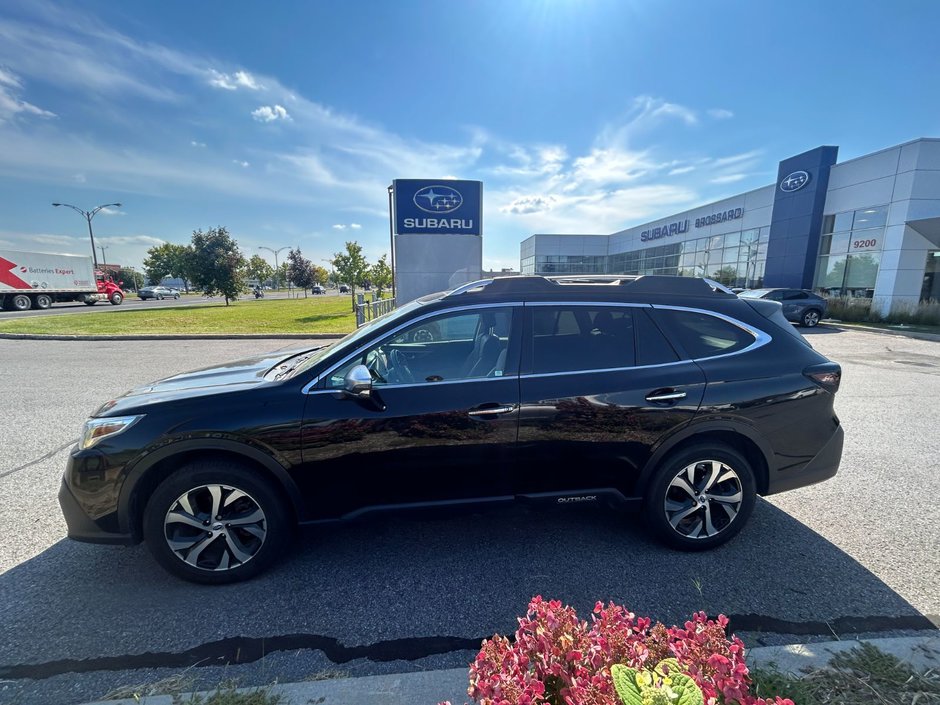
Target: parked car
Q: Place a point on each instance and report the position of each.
(799, 305)
(158, 292)
(669, 395)
(317, 289)
(343, 289)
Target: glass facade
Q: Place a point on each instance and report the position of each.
(734, 259)
(850, 252)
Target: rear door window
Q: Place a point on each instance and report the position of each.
(702, 334)
(580, 338)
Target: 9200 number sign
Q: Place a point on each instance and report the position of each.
(863, 244)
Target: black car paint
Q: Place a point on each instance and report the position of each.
(335, 457)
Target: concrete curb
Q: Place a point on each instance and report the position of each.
(430, 687)
(934, 337)
(180, 336)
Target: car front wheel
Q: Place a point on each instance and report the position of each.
(215, 522)
(810, 318)
(700, 497)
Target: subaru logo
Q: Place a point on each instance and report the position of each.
(438, 199)
(795, 181)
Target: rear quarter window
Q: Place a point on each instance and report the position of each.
(702, 334)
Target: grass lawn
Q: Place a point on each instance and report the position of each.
(313, 315)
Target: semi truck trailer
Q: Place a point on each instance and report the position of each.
(38, 280)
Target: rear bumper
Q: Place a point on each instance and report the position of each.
(81, 527)
(823, 466)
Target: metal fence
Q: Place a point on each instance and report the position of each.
(369, 310)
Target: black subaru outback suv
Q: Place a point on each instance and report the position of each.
(666, 394)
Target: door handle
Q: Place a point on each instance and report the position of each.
(665, 395)
(492, 410)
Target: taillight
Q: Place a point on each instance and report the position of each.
(827, 375)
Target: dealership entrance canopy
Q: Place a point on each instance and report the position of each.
(867, 227)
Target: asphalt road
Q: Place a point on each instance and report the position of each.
(857, 554)
(134, 303)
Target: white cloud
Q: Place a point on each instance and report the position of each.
(529, 204)
(221, 80)
(233, 81)
(647, 109)
(720, 114)
(355, 226)
(269, 113)
(111, 211)
(11, 105)
(739, 158)
(80, 178)
(194, 143)
(241, 163)
(728, 178)
(246, 80)
(339, 226)
(681, 170)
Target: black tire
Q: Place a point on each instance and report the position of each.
(21, 302)
(43, 301)
(177, 296)
(654, 501)
(276, 521)
(91, 302)
(116, 299)
(810, 318)
(159, 297)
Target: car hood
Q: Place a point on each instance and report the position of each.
(235, 376)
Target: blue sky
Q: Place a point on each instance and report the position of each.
(285, 121)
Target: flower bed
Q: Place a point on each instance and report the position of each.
(558, 659)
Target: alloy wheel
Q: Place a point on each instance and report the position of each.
(703, 499)
(810, 319)
(215, 527)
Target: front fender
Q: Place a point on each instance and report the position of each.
(137, 479)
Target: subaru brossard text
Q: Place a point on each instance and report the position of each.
(668, 395)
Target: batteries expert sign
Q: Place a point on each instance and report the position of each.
(424, 206)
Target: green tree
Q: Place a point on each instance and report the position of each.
(258, 268)
(218, 266)
(318, 274)
(298, 270)
(380, 274)
(283, 274)
(351, 267)
(169, 260)
(132, 279)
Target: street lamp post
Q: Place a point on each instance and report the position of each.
(104, 258)
(88, 215)
(277, 267)
(332, 271)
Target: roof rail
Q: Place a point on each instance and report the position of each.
(638, 283)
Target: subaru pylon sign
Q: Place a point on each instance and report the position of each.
(795, 181)
(438, 207)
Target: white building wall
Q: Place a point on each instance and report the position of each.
(907, 179)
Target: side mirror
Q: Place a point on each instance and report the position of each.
(358, 382)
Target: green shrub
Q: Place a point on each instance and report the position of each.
(858, 310)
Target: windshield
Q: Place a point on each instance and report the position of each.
(753, 293)
(353, 338)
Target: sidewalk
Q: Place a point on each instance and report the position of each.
(431, 687)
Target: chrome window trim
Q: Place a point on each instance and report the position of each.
(618, 304)
(308, 388)
(379, 388)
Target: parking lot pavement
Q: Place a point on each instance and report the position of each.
(857, 554)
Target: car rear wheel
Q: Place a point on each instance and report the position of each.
(215, 522)
(700, 497)
(810, 318)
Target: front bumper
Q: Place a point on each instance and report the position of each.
(89, 498)
(81, 527)
(823, 466)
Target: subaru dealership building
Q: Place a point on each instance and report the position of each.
(867, 227)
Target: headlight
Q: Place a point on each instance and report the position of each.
(96, 429)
